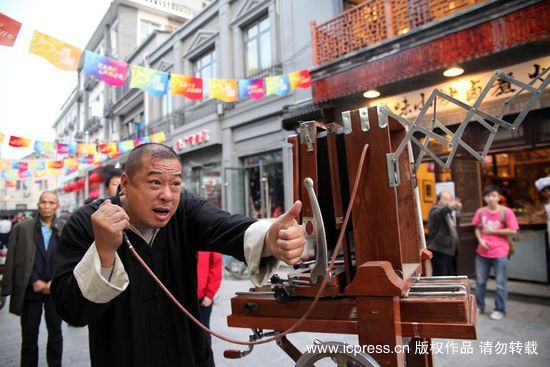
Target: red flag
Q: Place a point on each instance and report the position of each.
(186, 85)
(300, 79)
(9, 28)
(18, 142)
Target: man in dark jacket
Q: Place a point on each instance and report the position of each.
(99, 283)
(27, 277)
(442, 234)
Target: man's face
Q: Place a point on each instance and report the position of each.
(492, 198)
(446, 198)
(546, 193)
(47, 205)
(112, 186)
(152, 195)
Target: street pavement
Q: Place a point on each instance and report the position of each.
(525, 330)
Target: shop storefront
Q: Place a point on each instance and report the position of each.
(514, 163)
(200, 153)
(515, 160)
(257, 186)
(258, 169)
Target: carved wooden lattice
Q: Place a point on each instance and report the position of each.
(368, 23)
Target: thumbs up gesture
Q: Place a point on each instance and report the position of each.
(285, 238)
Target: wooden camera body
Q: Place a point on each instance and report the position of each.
(377, 289)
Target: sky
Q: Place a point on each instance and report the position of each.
(32, 90)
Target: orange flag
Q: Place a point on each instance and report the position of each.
(59, 53)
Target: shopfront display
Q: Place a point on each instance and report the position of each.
(256, 189)
(515, 161)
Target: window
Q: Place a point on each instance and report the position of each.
(167, 104)
(205, 68)
(114, 40)
(146, 28)
(257, 39)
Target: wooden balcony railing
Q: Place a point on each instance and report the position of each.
(377, 20)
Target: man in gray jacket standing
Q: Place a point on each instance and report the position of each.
(27, 278)
(442, 234)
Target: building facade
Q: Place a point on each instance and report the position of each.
(234, 154)
(127, 29)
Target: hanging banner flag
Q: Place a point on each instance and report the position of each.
(187, 86)
(24, 174)
(41, 173)
(152, 81)
(142, 140)
(100, 158)
(66, 148)
(125, 146)
(251, 88)
(10, 184)
(55, 164)
(53, 172)
(157, 137)
(278, 85)
(223, 89)
(44, 146)
(11, 174)
(23, 166)
(111, 71)
(4, 165)
(88, 159)
(300, 79)
(9, 28)
(37, 165)
(108, 148)
(71, 163)
(18, 142)
(84, 149)
(59, 53)
(1, 138)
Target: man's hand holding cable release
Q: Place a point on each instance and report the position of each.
(108, 222)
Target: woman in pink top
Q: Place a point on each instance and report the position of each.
(493, 223)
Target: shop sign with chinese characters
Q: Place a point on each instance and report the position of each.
(190, 141)
(466, 88)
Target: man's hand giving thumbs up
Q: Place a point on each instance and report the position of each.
(285, 238)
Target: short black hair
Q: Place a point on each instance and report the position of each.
(491, 188)
(115, 172)
(155, 150)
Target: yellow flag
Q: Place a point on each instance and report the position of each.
(59, 53)
(224, 89)
(157, 137)
(1, 138)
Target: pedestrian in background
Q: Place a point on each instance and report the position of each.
(493, 224)
(442, 234)
(20, 217)
(209, 278)
(112, 180)
(543, 185)
(27, 278)
(5, 229)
